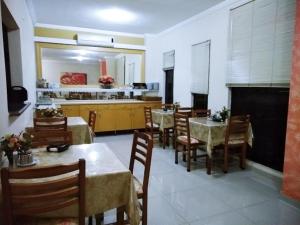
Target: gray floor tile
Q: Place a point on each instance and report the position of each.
(274, 212)
(231, 218)
(195, 204)
(178, 197)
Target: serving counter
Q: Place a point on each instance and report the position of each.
(112, 115)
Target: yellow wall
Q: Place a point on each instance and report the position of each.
(72, 35)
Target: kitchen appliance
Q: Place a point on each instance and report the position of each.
(139, 86)
(18, 95)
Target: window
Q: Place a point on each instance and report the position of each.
(169, 60)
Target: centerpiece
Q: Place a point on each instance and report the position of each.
(106, 81)
(222, 115)
(49, 112)
(21, 144)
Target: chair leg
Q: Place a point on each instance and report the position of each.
(225, 165)
(188, 159)
(243, 159)
(184, 154)
(90, 220)
(145, 210)
(164, 138)
(99, 218)
(176, 155)
(195, 154)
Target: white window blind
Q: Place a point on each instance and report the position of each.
(200, 68)
(169, 60)
(260, 42)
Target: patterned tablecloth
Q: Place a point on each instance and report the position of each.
(109, 183)
(213, 133)
(163, 118)
(80, 130)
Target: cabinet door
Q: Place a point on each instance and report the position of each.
(138, 118)
(106, 120)
(123, 118)
(71, 110)
(85, 111)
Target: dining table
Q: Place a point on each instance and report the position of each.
(202, 128)
(109, 184)
(165, 118)
(81, 133)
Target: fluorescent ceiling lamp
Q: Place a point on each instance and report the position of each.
(116, 15)
(79, 58)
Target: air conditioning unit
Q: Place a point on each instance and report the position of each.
(95, 40)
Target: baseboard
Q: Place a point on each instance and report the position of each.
(265, 170)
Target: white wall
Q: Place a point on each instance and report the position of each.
(213, 25)
(52, 69)
(20, 13)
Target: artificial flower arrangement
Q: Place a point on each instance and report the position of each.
(106, 79)
(12, 142)
(49, 112)
(222, 115)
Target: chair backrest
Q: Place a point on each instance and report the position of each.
(45, 138)
(142, 152)
(201, 112)
(54, 123)
(148, 117)
(181, 126)
(168, 106)
(27, 197)
(184, 110)
(92, 120)
(237, 129)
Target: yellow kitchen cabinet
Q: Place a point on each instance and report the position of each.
(85, 112)
(138, 118)
(123, 117)
(106, 118)
(71, 110)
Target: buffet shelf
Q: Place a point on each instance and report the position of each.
(90, 89)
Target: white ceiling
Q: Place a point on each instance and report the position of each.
(152, 16)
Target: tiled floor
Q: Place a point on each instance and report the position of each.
(177, 197)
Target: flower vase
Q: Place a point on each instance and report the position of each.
(25, 158)
(10, 157)
(106, 86)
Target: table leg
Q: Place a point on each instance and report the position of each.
(120, 215)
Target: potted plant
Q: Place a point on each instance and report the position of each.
(20, 143)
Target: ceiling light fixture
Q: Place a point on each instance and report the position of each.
(116, 15)
(79, 58)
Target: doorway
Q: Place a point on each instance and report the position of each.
(169, 86)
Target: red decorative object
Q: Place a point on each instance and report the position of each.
(70, 78)
(106, 79)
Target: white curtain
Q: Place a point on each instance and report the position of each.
(169, 60)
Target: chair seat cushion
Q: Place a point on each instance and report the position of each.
(184, 138)
(155, 125)
(138, 187)
(47, 221)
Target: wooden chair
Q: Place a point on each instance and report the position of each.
(24, 199)
(184, 139)
(92, 121)
(150, 127)
(236, 139)
(142, 152)
(201, 112)
(184, 110)
(54, 123)
(45, 138)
